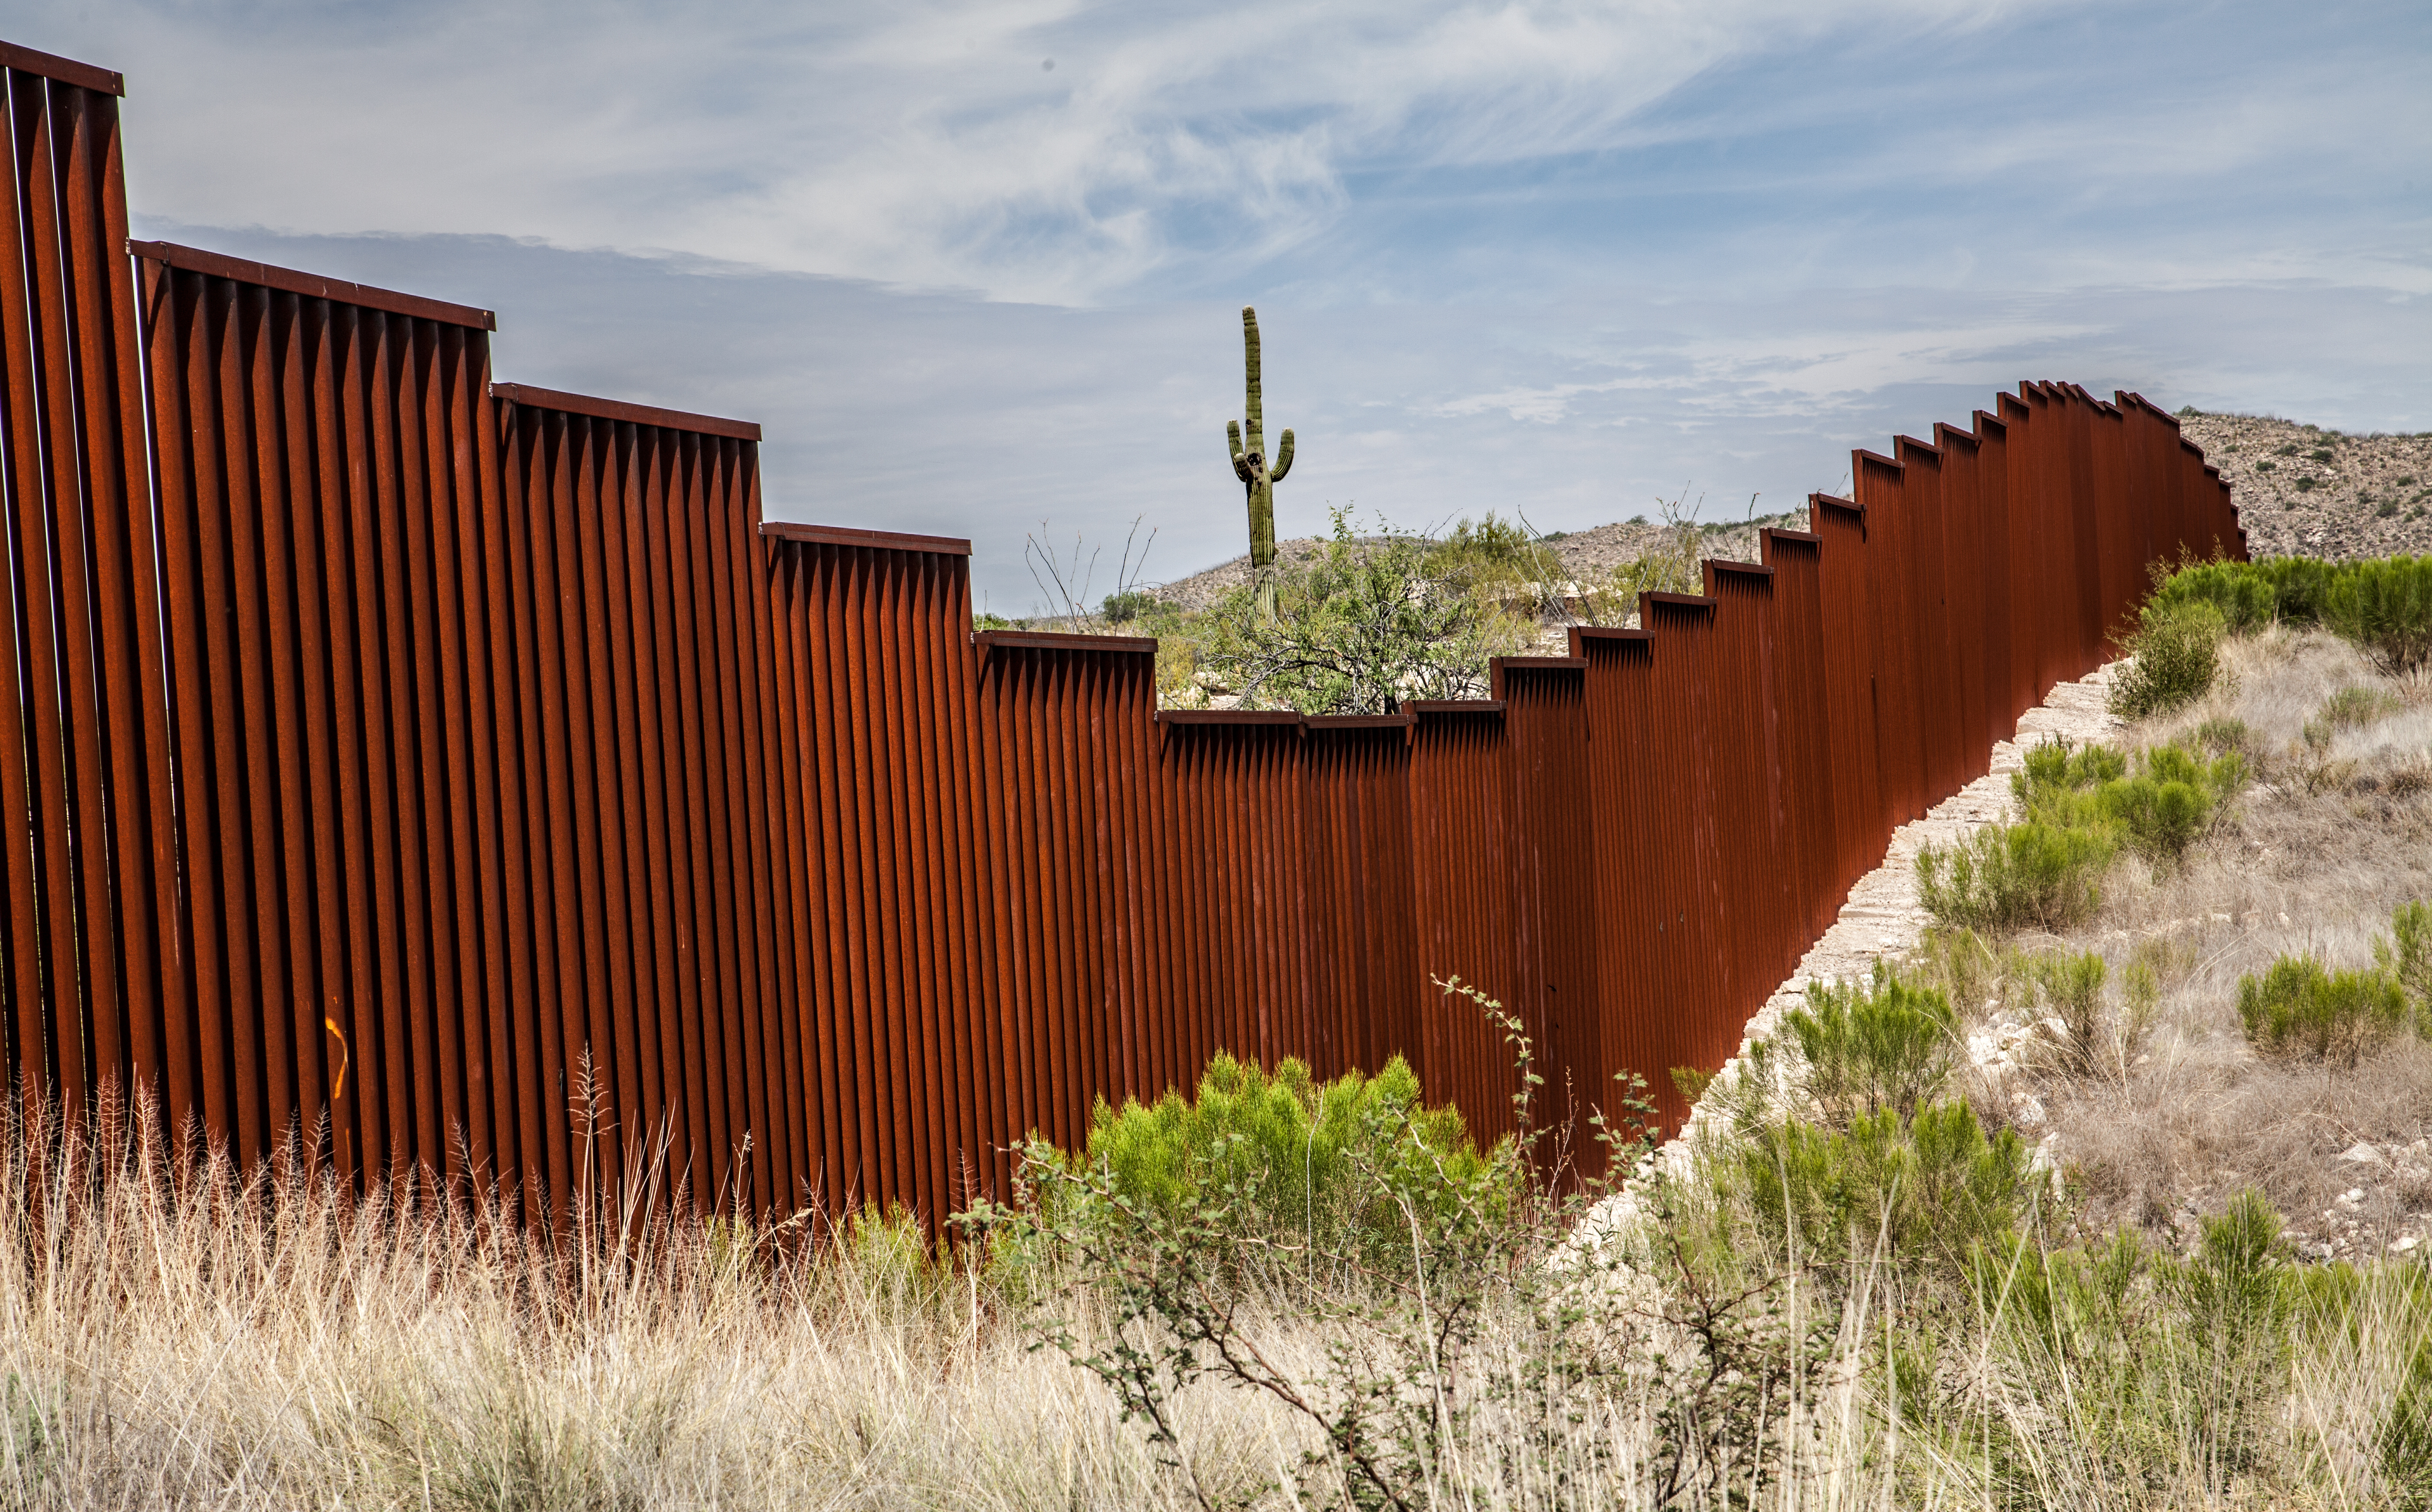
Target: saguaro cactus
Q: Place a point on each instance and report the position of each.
(1250, 463)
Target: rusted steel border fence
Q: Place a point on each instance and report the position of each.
(461, 779)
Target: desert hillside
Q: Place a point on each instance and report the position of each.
(2304, 491)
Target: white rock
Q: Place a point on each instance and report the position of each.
(2361, 1153)
(2353, 1197)
(2404, 1243)
(2029, 1109)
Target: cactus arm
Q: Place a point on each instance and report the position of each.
(1233, 439)
(1283, 459)
(1253, 412)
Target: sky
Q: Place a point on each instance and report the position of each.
(977, 268)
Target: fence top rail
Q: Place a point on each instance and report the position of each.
(1582, 634)
(843, 535)
(1228, 716)
(1848, 506)
(65, 70)
(1751, 569)
(640, 415)
(310, 285)
(1391, 722)
(1440, 708)
(1777, 532)
(1675, 601)
(1053, 641)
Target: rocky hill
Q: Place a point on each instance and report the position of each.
(2304, 491)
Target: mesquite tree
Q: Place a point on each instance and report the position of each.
(1250, 463)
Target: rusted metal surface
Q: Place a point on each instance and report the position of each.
(467, 765)
(87, 849)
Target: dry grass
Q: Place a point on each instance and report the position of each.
(183, 1339)
(174, 1336)
(2312, 860)
(200, 1342)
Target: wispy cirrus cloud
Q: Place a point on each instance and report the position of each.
(1037, 150)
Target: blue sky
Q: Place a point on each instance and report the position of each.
(1549, 258)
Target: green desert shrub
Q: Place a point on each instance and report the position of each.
(2176, 646)
(2406, 955)
(2300, 1009)
(2299, 585)
(1369, 623)
(2354, 707)
(1933, 1186)
(2170, 801)
(1867, 1047)
(1490, 554)
(1124, 607)
(2071, 987)
(2222, 737)
(2009, 877)
(2243, 597)
(2385, 606)
(1286, 1159)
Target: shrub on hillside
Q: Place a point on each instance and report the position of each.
(2385, 606)
(2070, 986)
(1867, 1047)
(2157, 802)
(2176, 651)
(1288, 1159)
(2170, 801)
(2300, 1009)
(2406, 955)
(1933, 1186)
(2243, 597)
(2008, 877)
(1365, 626)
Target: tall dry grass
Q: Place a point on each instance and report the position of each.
(172, 1334)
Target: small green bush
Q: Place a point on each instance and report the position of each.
(2299, 585)
(2355, 708)
(2299, 1009)
(2008, 877)
(2243, 596)
(2407, 956)
(1884, 1044)
(2176, 646)
(2171, 800)
(1932, 1187)
(2222, 737)
(2072, 989)
(1290, 1159)
(2385, 606)
(1122, 608)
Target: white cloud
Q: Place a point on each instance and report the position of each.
(922, 145)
